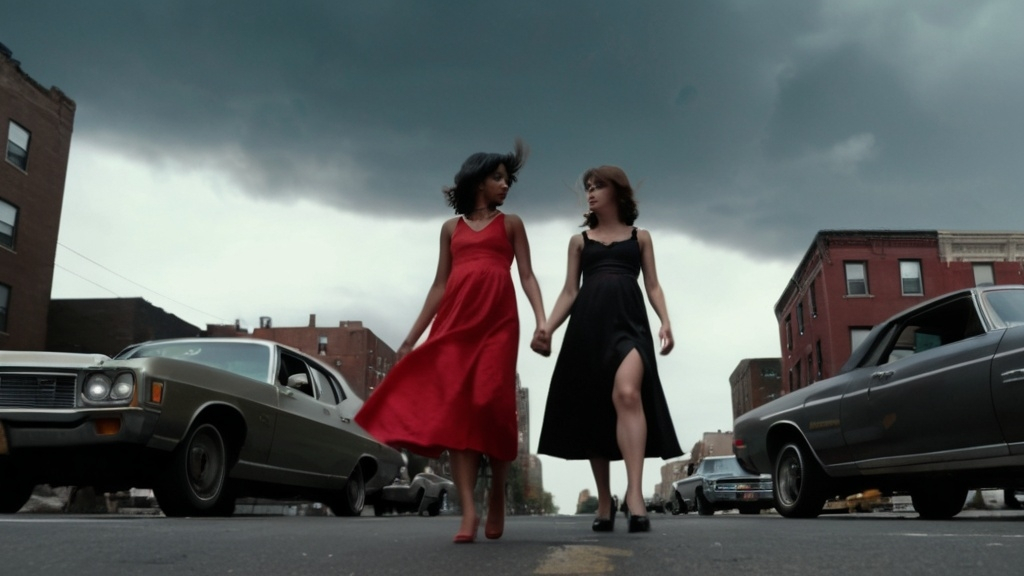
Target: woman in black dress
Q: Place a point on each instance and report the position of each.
(606, 402)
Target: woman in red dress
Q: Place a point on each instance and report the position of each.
(456, 390)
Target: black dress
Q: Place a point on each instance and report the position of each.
(608, 319)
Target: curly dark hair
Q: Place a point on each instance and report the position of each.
(623, 193)
(462, 196)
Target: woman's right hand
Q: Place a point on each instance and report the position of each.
(541, 343)
(402, 351)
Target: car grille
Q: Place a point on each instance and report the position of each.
(37, 391)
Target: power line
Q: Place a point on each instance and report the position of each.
(84, 257)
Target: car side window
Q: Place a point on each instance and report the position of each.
(293, 373)
(937, 326)
(328, 393)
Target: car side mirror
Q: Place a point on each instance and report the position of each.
(298, 381)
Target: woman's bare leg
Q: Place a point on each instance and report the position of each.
(465, 466)
(602, 477)
(496, 500)
(631, 428)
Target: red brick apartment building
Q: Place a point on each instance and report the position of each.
(36, 124)
(849, 280)
(354, 351)
(755, 381)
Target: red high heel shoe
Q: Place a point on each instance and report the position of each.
(461, 538)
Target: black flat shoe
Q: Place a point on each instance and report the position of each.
(604, 524)
(639, 523)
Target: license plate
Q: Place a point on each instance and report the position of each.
(750, 496)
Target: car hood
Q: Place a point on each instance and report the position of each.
(51, 359)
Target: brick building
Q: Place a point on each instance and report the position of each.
(850, 280)
(108, 325)
(36, 124)
(754, 382)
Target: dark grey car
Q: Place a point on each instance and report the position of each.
(200, 421)
(720, 483)
(932, 403)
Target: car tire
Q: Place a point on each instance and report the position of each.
(798, 483)
(14, 491)
(704, 507)
(352, 497)
(435, 507)
(195, 483)
(938, 501)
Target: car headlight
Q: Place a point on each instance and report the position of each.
(100, 388)
(97, 387)
(124, 386)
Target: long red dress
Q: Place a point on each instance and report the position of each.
(456, 390)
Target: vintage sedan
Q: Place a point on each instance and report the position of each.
(426, 493)
(200, 421)
(719, 483)
(931, 404)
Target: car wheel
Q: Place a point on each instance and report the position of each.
(435, 507)
(196, 482)
(14, 491)
(798, 484)
(704, 507)
(352, 498)
(1010, 499)
(938, 502)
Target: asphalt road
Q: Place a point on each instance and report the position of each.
(877, 543)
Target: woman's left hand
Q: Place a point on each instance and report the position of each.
(667, 343)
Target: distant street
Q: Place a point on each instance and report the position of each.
(876, 543)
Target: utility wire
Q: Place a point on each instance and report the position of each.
(84, 257)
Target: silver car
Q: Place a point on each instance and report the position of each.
(200, 421)
(719, 483)
(932, 404)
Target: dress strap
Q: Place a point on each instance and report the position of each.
(585, 237)
(634, 233)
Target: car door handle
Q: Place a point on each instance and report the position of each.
(345, 420)
(1013, 375)
(883, 375)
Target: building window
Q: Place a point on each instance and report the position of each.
(817, 352)
(5, 298)
(17, 145)
(789, 333)
(984, 275)
(856, 279)
(800, 318)
(857, 337)
(813, 301)
(910, 278)
(321, 345)
(810, 365)
(8, 224)
(796, 375)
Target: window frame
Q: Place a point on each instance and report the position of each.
(13, 224)
(904, 279)
(19, 162)
(863, 267)
(987, 266)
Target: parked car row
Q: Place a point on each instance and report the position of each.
(200, 421)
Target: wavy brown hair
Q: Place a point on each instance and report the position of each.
(462, 196)
(623, 193)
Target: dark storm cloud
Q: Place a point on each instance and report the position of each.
(752, 124)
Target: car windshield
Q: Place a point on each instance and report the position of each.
(242, 358)
(1006, 307)
(723, 466)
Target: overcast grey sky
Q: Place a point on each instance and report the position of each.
(751, 124)
(240, 159)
